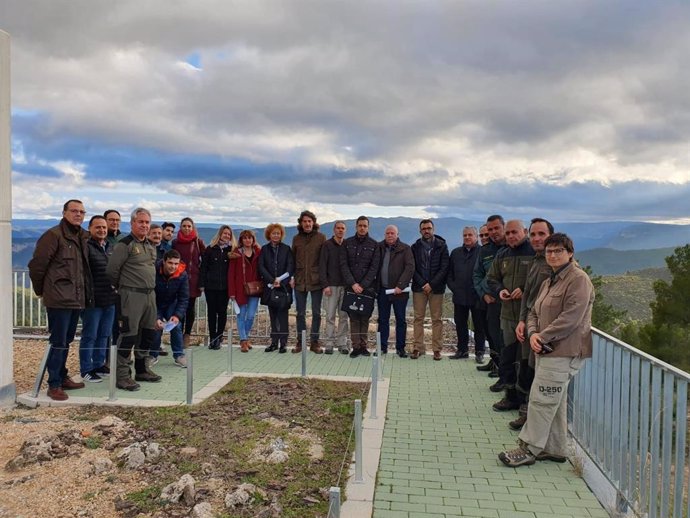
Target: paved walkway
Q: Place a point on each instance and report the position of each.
(440, 446)
(440, 440)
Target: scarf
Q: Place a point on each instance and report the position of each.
(187, 238)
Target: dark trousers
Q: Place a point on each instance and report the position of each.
(507, 371)
(190, 316)
(217, 303)
(399, 305)
(359, 331)
(279, 325)
(62, 324)
(493, 322)
(461, 314)
(301, 306)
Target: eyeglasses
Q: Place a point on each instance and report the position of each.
(77, 211)
(554, 251)
(483, 235)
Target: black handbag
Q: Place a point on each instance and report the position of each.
(278, 298)
(358, 304)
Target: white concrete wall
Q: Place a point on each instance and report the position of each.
(7, 387)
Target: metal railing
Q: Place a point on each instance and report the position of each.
(629, 413)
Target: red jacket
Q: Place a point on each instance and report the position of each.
(191, 255)
(237, 276)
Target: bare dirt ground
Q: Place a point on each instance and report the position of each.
(219, 443)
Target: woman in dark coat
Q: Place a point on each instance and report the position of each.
(191, 247)
(276, 267)
(213, 280)
(244, 268)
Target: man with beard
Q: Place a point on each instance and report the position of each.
(306, 248)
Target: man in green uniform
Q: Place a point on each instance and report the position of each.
(132, 271)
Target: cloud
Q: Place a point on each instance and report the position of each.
(443, 106)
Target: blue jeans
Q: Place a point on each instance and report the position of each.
(96, 328)
(245, 319)
(62, 324)
(175, 342)
(399, 307)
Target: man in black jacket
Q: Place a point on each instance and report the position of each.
(97, 321)
(359, 264)
(395, 274)
(465, 298)
(428, 286)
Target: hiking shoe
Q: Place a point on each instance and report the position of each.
(518, 423)
(486, 368)
(148, 377)
(550, 456)
(505, 404)
(498, 387)
(517, 457)
(128, 384)
(92, 377)
(181, 361)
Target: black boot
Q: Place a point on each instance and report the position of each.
(272, 347)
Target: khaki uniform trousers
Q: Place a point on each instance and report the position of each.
(419, 303)
(546, 428)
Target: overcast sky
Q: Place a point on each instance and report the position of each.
(248, 112)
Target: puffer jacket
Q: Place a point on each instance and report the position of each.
(359, 262)
(460, 272)
(59, 269)
(437, 259)
(306, 249)
(213, 274)
(509, 271)
(103, 293)
(172, 293)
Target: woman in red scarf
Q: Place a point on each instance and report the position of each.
(190, 247)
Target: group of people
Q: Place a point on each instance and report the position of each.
(520, 286)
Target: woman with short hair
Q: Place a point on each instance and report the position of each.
(559, 333)
(276, 267)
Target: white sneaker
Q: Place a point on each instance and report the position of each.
(181, 361)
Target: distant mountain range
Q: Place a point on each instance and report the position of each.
(609, 247)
